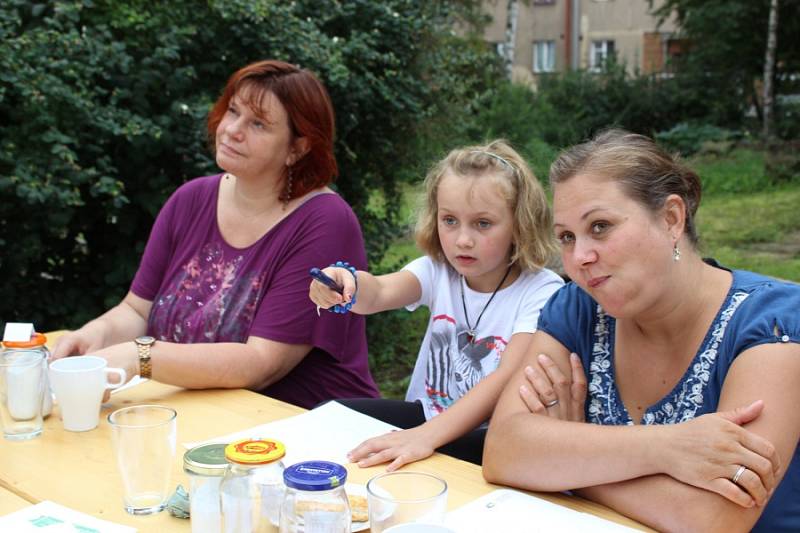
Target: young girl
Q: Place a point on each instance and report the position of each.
(486, 230)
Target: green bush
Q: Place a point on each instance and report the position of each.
(102, 109)
(688, 139)
(787, 119)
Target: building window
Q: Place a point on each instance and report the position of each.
(601, 51)
(544, 56)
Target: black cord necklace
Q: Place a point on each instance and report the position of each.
(471, 332)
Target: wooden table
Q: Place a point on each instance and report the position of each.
(78, 470)
(10, 502)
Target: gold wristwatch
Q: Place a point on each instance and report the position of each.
(143, 344)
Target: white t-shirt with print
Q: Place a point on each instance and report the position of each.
(448, 365)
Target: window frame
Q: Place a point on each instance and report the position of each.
(550, 46)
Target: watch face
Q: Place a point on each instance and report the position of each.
(145, 339)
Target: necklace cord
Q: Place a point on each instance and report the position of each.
(470, 330)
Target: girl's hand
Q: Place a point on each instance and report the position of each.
(325, 297)
(399, 447)
(706, 452)
(548, 386)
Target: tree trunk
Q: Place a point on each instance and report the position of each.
(769, 66)
(512, 14)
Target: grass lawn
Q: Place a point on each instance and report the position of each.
(743, 222)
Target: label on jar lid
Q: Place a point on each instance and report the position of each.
(315, 475)
(18, 332)
(254, 451)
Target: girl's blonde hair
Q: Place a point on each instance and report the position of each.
(533, 244)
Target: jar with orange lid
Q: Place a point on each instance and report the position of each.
(37, 343)
(252, 490)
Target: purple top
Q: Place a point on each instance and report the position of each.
(205, 290)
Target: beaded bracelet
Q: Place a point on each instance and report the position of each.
(344, 308)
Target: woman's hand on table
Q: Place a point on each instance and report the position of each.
(124, 355)
(400, 447)
(548, 386)
(708, 451)
(79, 342)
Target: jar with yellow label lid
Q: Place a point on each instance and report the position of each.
(37, 343)
(252, 489)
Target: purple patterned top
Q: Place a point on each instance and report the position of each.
(205, 290)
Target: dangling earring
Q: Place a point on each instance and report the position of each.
(676, 252)
(287, 194)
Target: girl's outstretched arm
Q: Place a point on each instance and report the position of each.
(469, 412)
(373, 293)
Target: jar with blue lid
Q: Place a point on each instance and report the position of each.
(315, 498)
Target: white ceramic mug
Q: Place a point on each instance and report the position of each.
(79, 384)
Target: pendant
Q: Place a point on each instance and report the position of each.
(470, 335)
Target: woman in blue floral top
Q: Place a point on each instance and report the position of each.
(681, 408)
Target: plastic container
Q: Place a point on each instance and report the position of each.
(205, 466)
(252, 490)
(38, 342)
(315, 498)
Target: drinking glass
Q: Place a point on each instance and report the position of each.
(144, 438)
(21, 392)
(405, 497)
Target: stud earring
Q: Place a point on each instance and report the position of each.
(676, 252)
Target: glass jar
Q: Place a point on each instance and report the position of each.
(315, 498)
(38, 343)
(205, 465)
(252, 489)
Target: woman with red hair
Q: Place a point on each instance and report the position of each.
(219, 297)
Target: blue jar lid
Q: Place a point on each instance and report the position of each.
(315, 475)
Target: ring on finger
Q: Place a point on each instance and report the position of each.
(738, 474)
(551, 404)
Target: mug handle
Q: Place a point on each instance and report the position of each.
(123, 377)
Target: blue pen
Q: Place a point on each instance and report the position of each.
(323, 278)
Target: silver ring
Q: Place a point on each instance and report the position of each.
(551, 404)
(738, 474)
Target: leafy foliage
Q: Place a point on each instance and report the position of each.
(727, 43)
(102, 110)
(689, 139)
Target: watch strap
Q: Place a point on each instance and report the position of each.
(145, 365)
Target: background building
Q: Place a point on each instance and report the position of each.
(556, 35)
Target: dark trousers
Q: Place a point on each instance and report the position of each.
(407, 415)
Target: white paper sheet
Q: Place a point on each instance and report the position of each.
(135, 380)
(511, 511)
(49, 517)
(325, 433)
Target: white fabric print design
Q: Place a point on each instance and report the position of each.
(681, 404)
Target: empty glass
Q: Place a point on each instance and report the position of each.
(405, 497)
(144, 438)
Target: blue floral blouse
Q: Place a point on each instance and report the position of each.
(757, 310)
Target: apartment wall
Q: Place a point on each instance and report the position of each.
(638, 41)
